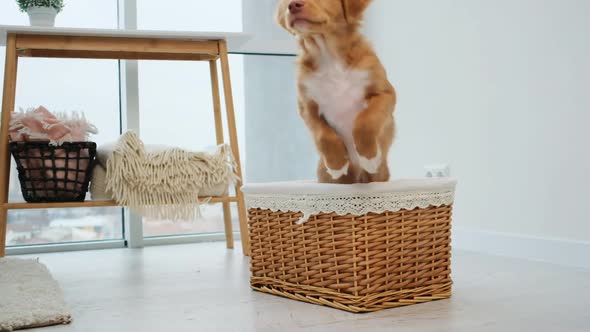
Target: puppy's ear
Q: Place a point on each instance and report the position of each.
(281, 14)
(354, 9)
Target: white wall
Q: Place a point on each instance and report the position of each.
(500, 90)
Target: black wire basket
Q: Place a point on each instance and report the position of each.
(50, 174)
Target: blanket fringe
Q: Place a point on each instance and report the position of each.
(165, 184)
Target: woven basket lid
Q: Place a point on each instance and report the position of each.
(310, 197)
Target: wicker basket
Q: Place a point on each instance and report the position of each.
(54, 173)
(359, 262)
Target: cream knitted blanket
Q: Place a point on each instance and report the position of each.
(164, 184)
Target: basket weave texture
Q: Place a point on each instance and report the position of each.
(50, 173)
(354, 263)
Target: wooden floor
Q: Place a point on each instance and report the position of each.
(204, 287)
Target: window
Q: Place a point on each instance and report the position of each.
(190, 15)
(178, 94)
(64, 85)
(177, 110)
(290, 154)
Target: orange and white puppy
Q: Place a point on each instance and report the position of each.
(344, 96)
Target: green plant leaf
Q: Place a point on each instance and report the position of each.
(26, 4)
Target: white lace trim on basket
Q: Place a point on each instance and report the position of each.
(349, 203)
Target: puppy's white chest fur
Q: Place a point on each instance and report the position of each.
(340, 94)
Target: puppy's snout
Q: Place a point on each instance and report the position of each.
(296, 6)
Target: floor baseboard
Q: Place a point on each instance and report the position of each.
(556, 251)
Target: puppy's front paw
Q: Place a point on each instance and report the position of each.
(338, 173)
(371, 165)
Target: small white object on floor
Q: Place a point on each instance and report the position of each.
(29, 296)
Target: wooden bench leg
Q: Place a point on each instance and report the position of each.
(8, 102)
(3, 225)
(229, 232)
(233, 137)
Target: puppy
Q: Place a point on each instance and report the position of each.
(344, 97)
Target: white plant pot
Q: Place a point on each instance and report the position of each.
(42, 16)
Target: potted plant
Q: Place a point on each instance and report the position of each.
(41, 12)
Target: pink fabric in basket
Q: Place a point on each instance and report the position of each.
(41, 125)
